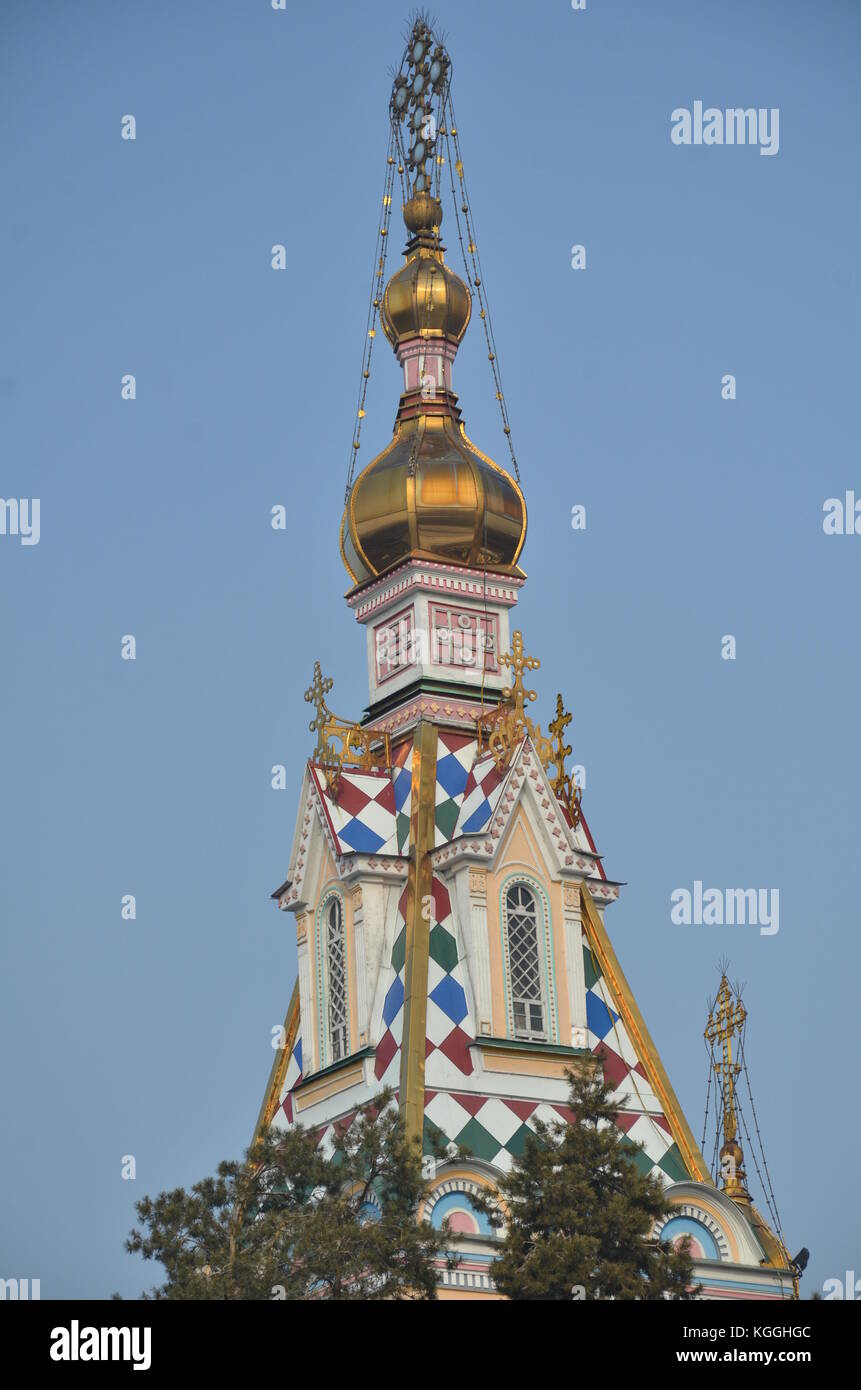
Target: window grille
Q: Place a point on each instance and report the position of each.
(524, 964)
(337, 964)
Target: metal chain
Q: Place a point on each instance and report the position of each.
(768, 1191)
(475, 274)
(708, 1096)
(376, 297)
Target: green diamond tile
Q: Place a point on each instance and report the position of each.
(446, 817)
(673, 1165)
(638, 1156)
(399, 951)
(588, 965)
(402, 826)
(476, 1138)
(517, 1143)
(443, 948)
(432, 1137)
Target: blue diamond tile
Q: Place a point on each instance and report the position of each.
(393, 1002)
(451, 775)
(599, 1018)
(359, 837)
(402, 784)
(449, 997)
(478, 819)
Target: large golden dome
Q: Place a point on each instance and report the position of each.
(431, 494)
(434, 495)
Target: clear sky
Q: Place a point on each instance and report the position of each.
(151, 1037)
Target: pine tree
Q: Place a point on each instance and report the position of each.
(294, 1223)
(578, 1213)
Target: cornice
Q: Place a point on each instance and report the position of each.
(434, 577)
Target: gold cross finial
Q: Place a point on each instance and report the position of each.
(563, 785)
(316, 696)
(726, 1020)
(518, 663)
(557, 728)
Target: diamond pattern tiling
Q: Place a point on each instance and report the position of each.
(496, 1128)
(500, 1120)
(643, 1120)
(480, 796)
(455, 755)
(402, 781)
(387, 1058)
(438, 1026)
(363, 818)
(449, 1030)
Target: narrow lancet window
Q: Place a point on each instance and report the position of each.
(337, 966)
(524, 964)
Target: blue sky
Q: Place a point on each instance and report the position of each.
(704, 518)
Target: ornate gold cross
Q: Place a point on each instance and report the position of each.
(518, 663)
(725, 1020)
(566, 789)
(561, 750)
(316, 695)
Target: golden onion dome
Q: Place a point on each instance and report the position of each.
(425, 299)
(434, 495)
(431, 494)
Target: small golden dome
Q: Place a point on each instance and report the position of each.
(432, 494)
(425, 299)
(422, 213)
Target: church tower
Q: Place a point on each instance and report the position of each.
(447, 893)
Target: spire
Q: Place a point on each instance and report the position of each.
(726, 1021)
(418, 102)
(431, 494)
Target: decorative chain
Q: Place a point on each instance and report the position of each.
(376, 300)
(473, 265)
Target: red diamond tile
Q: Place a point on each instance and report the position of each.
(625, 1122)
(470, 1103)
(402, 752)
(386, 1049)
(615, 1069)
(454, 742)
(351, 799)
(456, 1049)
(522, 1108)
(441, 901)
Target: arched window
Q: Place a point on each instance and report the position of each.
(336, 962)
(524, 964)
